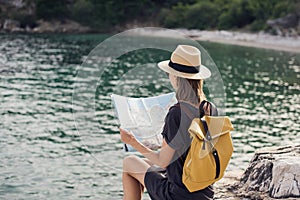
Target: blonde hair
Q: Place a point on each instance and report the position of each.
(190, 90)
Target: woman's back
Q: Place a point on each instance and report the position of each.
(176, 135)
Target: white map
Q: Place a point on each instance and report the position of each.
(144, 117)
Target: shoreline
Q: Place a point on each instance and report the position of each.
(256, 40)
(270, 42)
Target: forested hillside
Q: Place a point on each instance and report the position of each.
(110, 15)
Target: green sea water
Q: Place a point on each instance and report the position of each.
(48, 151)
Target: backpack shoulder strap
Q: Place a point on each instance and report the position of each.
(205, 105)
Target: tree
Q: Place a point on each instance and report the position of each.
(202, 15)
(236, 15)
(52, 9)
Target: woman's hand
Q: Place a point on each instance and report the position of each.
(127, 137)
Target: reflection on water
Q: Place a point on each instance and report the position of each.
(262, 97)
(41, 151)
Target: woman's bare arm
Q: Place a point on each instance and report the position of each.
(161, 158)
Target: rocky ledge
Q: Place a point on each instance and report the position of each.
(42, 26)
(272, 173)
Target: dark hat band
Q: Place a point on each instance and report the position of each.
(184, 68)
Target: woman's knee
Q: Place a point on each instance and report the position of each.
(134, 164)
(135, 167)
(128, 161)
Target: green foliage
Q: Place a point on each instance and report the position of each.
(107, 15)
(283, 8)
(52, 9)
(82, 10)
(269, 9)
(174, 17)
(202, 15)
(261, 9)
(172, 3)
(258, 25)
(237, 15)
(226, 14)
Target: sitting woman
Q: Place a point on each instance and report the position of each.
(161, 172)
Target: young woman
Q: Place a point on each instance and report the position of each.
(161, 172)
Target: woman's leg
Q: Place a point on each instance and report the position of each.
(131, 187)
(134, 169)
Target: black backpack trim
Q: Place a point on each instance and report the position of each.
(214, 151)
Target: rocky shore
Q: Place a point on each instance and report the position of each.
(273, 173)
(42, 26)
(25, 16)
(259, 40)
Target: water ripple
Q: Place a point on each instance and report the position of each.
(52, 145)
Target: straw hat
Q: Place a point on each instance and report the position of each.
(185, 62)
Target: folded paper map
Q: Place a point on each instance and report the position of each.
(144, 117)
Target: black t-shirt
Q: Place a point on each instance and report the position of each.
(175, 133)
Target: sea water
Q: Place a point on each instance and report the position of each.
(48, 151)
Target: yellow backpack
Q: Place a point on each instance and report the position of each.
(210, 151)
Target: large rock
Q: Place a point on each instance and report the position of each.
(286, 178)
(287, 25)
(272, 173)
(222, 187)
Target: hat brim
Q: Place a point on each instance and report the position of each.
(203, 73)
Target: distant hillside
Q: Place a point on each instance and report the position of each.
(116, 15)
